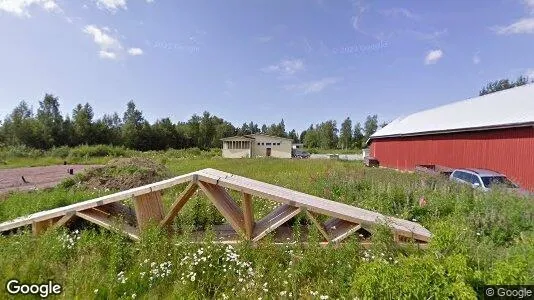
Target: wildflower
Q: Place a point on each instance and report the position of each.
(96, 291)
(323, 297)
(283, 293)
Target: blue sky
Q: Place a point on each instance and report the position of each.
(305, 61)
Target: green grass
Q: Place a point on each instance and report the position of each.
(478, 238)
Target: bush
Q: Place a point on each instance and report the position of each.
(61, 152)
(99, 151)
(20, 152)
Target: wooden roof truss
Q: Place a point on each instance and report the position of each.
(343, 220)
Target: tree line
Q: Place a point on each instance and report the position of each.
(47, 128)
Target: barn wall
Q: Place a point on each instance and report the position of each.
(509, 151)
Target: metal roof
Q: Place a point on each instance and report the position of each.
(253, 136)
(267, 135)
(508, 108)
(238, 138)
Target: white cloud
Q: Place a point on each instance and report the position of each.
(135, 51)
(102, 39)
(399, 11)
(107, 55)
(476, 59)
(313, 87)
(433, 56)
(286, 67)
(111, 5)
(110, 46)
(525, 25)
(20, 8)
(530, 74)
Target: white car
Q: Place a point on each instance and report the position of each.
(484, 179)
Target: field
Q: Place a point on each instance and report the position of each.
(479, 238)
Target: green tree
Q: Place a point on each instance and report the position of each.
(311, 138)
(345, 134)
(327, 132)
(206, 131)
(358, 136)
(293, 135)
(502, 84)
(82, 122)
(133, 123)
(370, 126)
(50, 122)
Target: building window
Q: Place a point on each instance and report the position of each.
(262, 144)
(277, 144)
(268, 144)
(258, 144)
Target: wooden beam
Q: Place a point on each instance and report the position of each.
(148, 208)
(313, 203)
(225, 205)
(61, 211)
(248, 214)
(105, 220)
(182, 199)
(63, 220)
(340, 229)
(319, 225)
(273, 220)
(41, 226)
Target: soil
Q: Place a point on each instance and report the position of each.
(123, 174)
(36, 177)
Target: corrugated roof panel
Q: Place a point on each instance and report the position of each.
(508, 107)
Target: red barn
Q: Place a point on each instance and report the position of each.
(494, 131)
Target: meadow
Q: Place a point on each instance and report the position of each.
(478, 238)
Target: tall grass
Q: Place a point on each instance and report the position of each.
(478, 238)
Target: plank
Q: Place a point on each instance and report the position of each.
(312, 203)
(223, 205)
(148, 209)
(318, 224)
(61, 211)
(248, 214)
(340, 229)
(63, 221)
(41, 226)
(182, 199)
(102, 219)
(273, 220)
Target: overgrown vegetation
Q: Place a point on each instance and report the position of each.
(478, 238)
(119, 174)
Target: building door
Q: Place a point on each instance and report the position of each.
(268, 152)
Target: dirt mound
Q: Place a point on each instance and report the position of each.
(121, 174)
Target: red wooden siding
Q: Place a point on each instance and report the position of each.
(508, 151)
